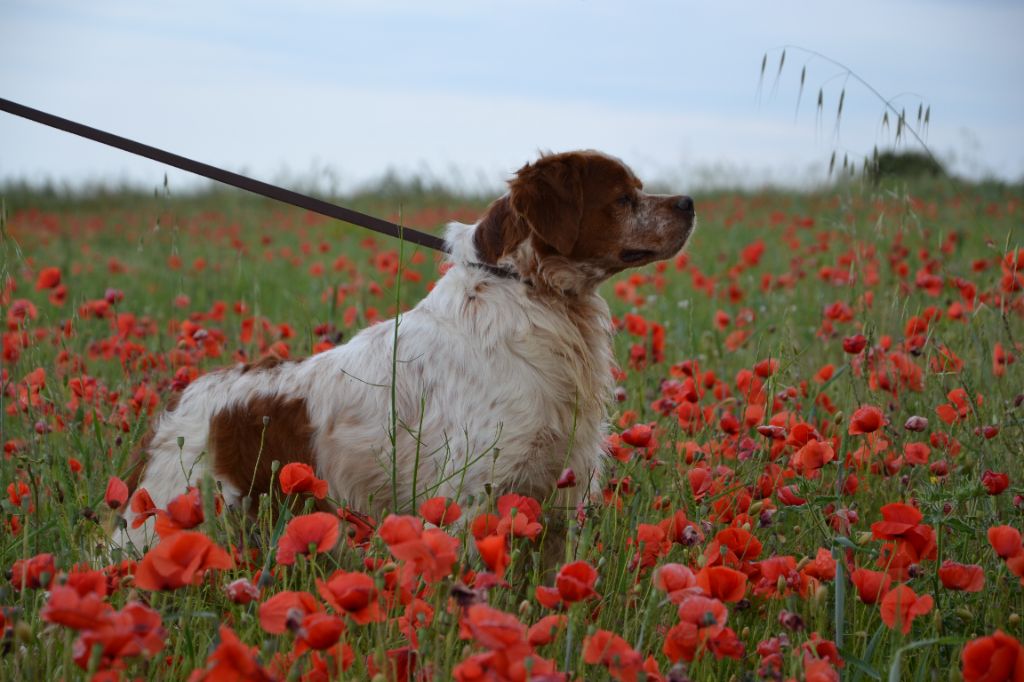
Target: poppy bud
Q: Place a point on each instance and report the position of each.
(242, 591)
(791, 621)
(915, 423)
(23, 632)
(567, 479)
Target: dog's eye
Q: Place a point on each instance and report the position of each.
(625, 200)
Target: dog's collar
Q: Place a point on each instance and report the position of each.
(504, 273)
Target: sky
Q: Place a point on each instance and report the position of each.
(332, 95)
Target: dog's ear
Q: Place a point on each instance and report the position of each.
(499, 231)
(549, 196)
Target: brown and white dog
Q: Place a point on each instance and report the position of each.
(501, 380)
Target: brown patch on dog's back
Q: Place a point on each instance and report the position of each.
(140, 454)
(266, 363)
(243, 448)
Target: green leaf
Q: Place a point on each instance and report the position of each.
(863, 667)
(894, 670)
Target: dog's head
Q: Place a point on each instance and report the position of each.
(580, 217)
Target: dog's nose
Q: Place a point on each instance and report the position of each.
(685, 204)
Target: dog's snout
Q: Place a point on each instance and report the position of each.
(685, 204)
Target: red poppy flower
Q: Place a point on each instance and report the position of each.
(297, 477)
(651, 544)
(418, 614)
(866, 419)
(484, 525)
(778, 576)
(822, 567)
(319, 531)
(819, 670)
(677, 580)
(428, 553)
(990, 659)
(740, 543)
(69, 608)
(824, 649)
(493, 550)
(901, 605)
(722, 583)
(440, 511)
(33, 573)
(916, 453)
(575, 581)
(608, 649)
(871, 585)
(968, 578)
(48, 278)
(787, 496)
(17, 491)
(902, 522)
(957, 408)
(1000, 359)
(495, 665)
(352, 593)
(700, 619)
(180, 560)
(995, 483)
(232, 660)
(86, 581)
(812, 456)
(681, 530)
(274, 613)
(543, 631)
(117, 493)
(319, 631)
(183, 512)
(1005, 540)
(142, 506)
(135, 630)
(495, 630)
(360, 527)
(638, 435)
(766, 368)
(899, 518)
(854, 344)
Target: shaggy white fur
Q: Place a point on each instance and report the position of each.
(492, 385)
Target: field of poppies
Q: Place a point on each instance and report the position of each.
(815, 473)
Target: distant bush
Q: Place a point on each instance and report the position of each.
(906, 165)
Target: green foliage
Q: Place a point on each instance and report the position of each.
(177, 258)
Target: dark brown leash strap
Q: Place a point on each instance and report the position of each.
(228, 178)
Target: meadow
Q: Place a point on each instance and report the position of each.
(815, 452)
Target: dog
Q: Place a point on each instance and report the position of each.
(496, 382)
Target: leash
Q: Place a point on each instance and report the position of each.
(286, 196)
